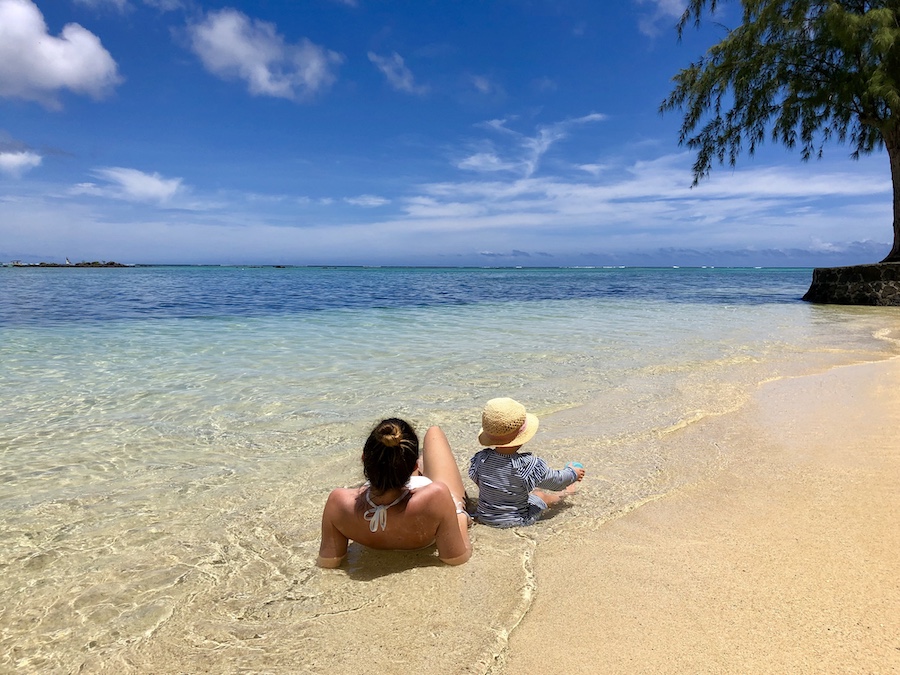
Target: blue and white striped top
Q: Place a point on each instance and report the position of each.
(504, 482)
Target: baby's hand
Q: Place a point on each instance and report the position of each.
(577, 468)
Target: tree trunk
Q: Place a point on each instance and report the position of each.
(892, 144)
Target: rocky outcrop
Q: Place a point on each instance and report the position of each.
(17, 263)
(877, 284)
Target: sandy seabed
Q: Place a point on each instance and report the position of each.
(785, 560)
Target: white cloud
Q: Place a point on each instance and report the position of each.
(544, 84)
(397, 73)
(482, 84)
(132, 185)
(649, 205)
(425, 207)
(499, 126)
(17, 163)
(527, 152)
(663, 15)
(35, 65)
(122, 5)
(593, 169)
(670, 8)
(368, 201)
(166, 5)
(117, 4)
(233, 46)
(486, 162)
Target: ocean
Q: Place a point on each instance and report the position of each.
(168, 436)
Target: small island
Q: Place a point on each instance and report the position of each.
(95, 263)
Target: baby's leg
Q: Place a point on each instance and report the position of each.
(550, 498)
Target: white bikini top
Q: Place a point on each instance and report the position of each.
(377, 515)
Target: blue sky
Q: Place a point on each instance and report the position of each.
(513, 132)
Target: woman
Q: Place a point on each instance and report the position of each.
(396, 509)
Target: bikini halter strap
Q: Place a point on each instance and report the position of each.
(377, 515)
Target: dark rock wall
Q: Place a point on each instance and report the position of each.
(857, 285)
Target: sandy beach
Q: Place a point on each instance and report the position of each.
(783, 561)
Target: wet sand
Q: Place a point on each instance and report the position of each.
(784, 560)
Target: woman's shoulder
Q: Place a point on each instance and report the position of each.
(343, 497)
(359, 489)
(432, 487)
(435, 494)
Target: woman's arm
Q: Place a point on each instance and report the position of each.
(452, 538)
(463, 524)
(333, 546)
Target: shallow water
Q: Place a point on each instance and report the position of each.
(169, 436)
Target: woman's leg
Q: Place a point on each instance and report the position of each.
(439, 463)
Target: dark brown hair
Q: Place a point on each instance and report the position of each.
(390, 454)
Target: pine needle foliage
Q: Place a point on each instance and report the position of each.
(799, 73)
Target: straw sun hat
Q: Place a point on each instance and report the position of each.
(504, 423)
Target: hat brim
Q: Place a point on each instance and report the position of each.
(525, 435)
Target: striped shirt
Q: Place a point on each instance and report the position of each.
(504, 482)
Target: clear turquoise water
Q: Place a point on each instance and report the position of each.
(152, 417)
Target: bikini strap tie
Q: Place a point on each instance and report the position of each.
(377, 515)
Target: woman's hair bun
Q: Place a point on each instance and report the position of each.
(389, 434)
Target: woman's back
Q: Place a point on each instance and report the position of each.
(400, 518)
(411, 523)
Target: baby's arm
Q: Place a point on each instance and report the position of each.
(559, 479)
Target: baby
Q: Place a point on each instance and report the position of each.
(507, 479)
